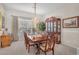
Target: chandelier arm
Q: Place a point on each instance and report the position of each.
(35, 9)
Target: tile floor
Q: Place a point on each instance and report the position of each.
(18, 48)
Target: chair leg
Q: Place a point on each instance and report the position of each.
(53, 52)
(28, 49)
(38, 49)
(45, 53)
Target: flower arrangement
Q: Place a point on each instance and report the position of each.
(41, 26)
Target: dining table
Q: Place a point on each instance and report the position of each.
(37, 40)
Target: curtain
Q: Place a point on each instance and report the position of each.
(0, 21)
(15, 28)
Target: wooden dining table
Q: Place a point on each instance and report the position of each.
(37, 39)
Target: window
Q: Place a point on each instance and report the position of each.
(2, 21)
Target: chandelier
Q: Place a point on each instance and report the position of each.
(35, 19)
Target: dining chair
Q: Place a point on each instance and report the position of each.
(48, 45)
(28, 43)
(56, 37)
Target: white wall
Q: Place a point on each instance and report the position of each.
(69, 36)
(2, 10)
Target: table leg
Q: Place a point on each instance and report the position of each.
(38, 48)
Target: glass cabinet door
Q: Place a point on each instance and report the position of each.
(59, 26)
(52, 26)
(55, 27)
(46, 26)
(49, 26)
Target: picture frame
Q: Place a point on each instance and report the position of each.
(71, 22)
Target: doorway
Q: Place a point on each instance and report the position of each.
(24, 25)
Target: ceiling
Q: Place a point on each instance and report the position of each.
(41, 8)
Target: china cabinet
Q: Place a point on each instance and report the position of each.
(53, 26)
